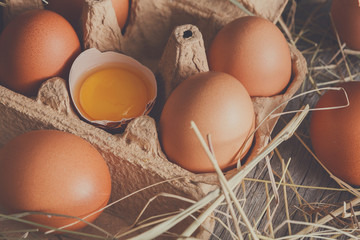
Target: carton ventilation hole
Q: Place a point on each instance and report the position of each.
(187, 34)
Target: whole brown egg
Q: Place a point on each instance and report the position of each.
(253, 50)
(72, 9)
(35, 46)
(53, 172)
(220, 106)
(335, 134)
(346, 17)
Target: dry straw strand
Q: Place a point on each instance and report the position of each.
(268, 204)
(19, 219)
(113, 203)
(224, 184)
(239, 5)
(284, 134)
(268, 212)
(341, 49)
(287, 31)
(317, 109)
(227, 198)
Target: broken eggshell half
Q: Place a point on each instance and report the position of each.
(91, 61)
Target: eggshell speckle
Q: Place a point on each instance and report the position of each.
(346, 17)
(54, 172)
(253, 50)
(220, 106)
(35, 46)
(335, 133)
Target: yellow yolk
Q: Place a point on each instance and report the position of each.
(113, 94)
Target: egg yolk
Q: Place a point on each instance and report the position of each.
(113, 94)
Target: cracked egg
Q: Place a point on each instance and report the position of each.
(109, 89)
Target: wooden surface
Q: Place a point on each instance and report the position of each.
(303, 168)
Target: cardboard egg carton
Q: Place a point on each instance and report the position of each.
(171, 38)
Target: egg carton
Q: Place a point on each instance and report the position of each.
(171, 38)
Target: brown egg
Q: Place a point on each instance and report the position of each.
(220, 106)
(54, 172)
(346, 17)
(71, 10)
(253, 50)
(335, 133)
(35, 46)
(122, 11)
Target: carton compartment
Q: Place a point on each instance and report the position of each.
(170, 37)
